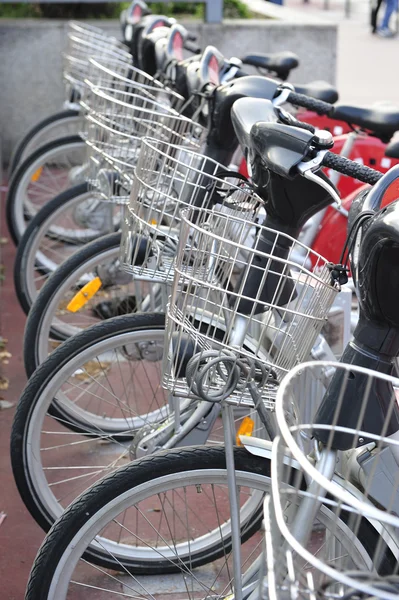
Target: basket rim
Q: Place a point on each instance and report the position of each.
(333, 488)
(102, 92)
(206, 211)
(151, 142)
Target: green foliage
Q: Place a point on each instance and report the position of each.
(233, 9)
(19, 11)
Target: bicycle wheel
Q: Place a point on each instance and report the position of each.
(79, 412)
(174, 509)
(70, 219)
(49, 321)
(61, 124)
(181, 499)
(46, 173)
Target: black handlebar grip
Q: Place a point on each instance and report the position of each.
(317, 106)
(193, 48)
(302, 125)
(240, 73)
(351, 168)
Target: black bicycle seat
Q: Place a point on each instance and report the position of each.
(381, 120)
(280, 63)
(392, 149)
(321, 90)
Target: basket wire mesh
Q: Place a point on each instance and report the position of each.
(91, 32)
(251, 340)
(168, 178)
(80, 47)
(281, 578)
(115, 76)
(116, 123)
(360, 502)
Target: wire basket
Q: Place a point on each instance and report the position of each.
(344, 466)
(280, 576)
(169, 177)
(114, 133)
(78, 52)
(92, 33)
(118, 77)
(240, 343)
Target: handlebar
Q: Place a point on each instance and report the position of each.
(351, 168)
(191, 47)
(317, 106)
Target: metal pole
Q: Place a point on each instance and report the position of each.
(214, 11)
(228, 428)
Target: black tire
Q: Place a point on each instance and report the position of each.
(39, 307)
(97, 497)
(17, 176)
(180, 460)
(31, 394)
(20, 149)
(25, 244)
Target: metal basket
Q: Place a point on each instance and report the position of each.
(341, 472)
(115, 128)
(169, 177)
(239, 345)
(90, 32)
(78, 52)
(116, 76)
(280, 576)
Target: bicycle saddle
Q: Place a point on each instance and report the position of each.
(392, 149)
(281, 63)
(321, 90)
(381, 120)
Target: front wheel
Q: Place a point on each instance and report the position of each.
(80, 410)
(48, 171)
(49, 320)
(68, 221)
(168, 513)
(61, 124)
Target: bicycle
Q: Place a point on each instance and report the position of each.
(39, 230)
(57, 165)
(200, 469)
(195, 420)
(53, 295)
(69, 120)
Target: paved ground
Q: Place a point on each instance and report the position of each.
(367, 64)
(367, 72)
(20, 537)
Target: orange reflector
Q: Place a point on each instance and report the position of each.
(84, 295)
(153, 222)
(37, 174)
(246, 428)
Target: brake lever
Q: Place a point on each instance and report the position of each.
(285, 90)
(308, 169)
